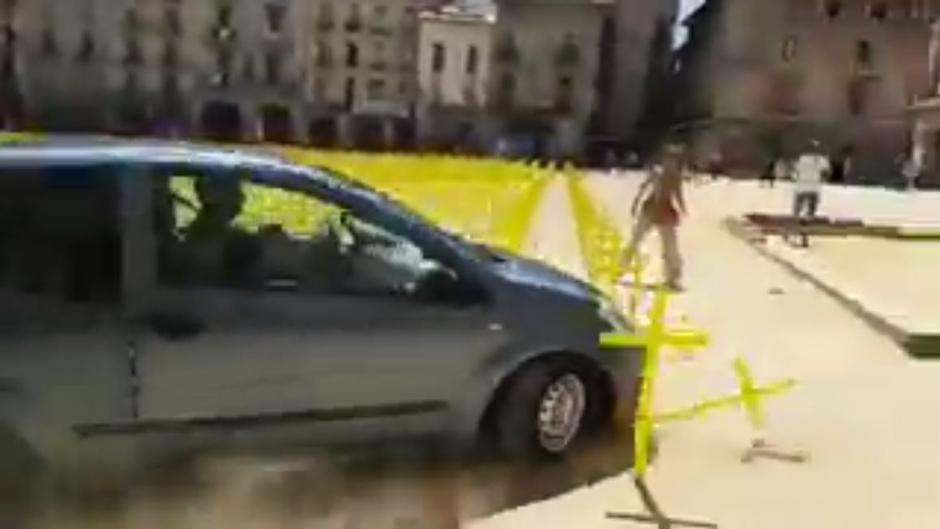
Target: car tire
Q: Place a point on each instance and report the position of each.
(545, 411)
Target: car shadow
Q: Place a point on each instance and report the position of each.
(385, 486)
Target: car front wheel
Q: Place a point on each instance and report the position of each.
(545, 411)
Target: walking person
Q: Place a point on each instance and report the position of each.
(840, 166)
(911, 170)
(769, 172)
(659, 204)
(809, 175)
(783, 169)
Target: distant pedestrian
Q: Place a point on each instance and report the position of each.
(660, 203)
(783, 169)
(715, 165)
(769, 172)
(809, 175)
(840, 166)
(911, 170)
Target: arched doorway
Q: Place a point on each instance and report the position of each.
(276, 124)
(221, 121)
(368, 133)
(405, 133)
(324, 132)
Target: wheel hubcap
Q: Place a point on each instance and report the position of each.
(560, 412)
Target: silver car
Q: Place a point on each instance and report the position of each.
(162, 296)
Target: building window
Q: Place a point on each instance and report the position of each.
(131, 20)
(86, 50)
(564, 94)
(223, 67)
(375, 89)
(568, 53)
(322, 56)
(788, 51)
(832, 9)
(352, 55)
(9, 36)
(170, 56)
(878, 11)
(354, 21)
(349, 93)
(171, 18)
(224, 15)
(272, 68)
(437, 57)
(325, 17)
(318, 89)
(507, 90)
(48, 45)
(864, 56)
(506, 50)
(223, 24)
(473, 59)
(133, 55)
(274, 14)
(378, 56)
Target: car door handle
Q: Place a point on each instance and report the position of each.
(174, 326)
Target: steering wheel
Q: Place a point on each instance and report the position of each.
(340, 227)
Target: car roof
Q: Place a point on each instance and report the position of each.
(90, 150)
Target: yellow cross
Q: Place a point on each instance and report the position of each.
(750, 396)
(652, 338)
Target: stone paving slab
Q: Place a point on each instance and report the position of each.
(892, 284)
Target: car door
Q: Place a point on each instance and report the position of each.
(64, 359)
(276, 345)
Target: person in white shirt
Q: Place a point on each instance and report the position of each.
(809, 173)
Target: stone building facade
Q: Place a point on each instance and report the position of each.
(760, 77)
(515, 77)
(328, 72)
(925, 135)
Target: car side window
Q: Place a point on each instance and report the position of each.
(60, 241)
(225, 230)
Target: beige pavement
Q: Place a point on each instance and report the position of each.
(864, 411)
(898, 280)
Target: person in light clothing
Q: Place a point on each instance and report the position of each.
(660, 204)
(809, 173)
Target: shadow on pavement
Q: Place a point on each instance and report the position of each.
(393, 487)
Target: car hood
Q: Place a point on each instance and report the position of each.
(525, 271)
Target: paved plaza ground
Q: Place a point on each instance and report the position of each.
(864, 410)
